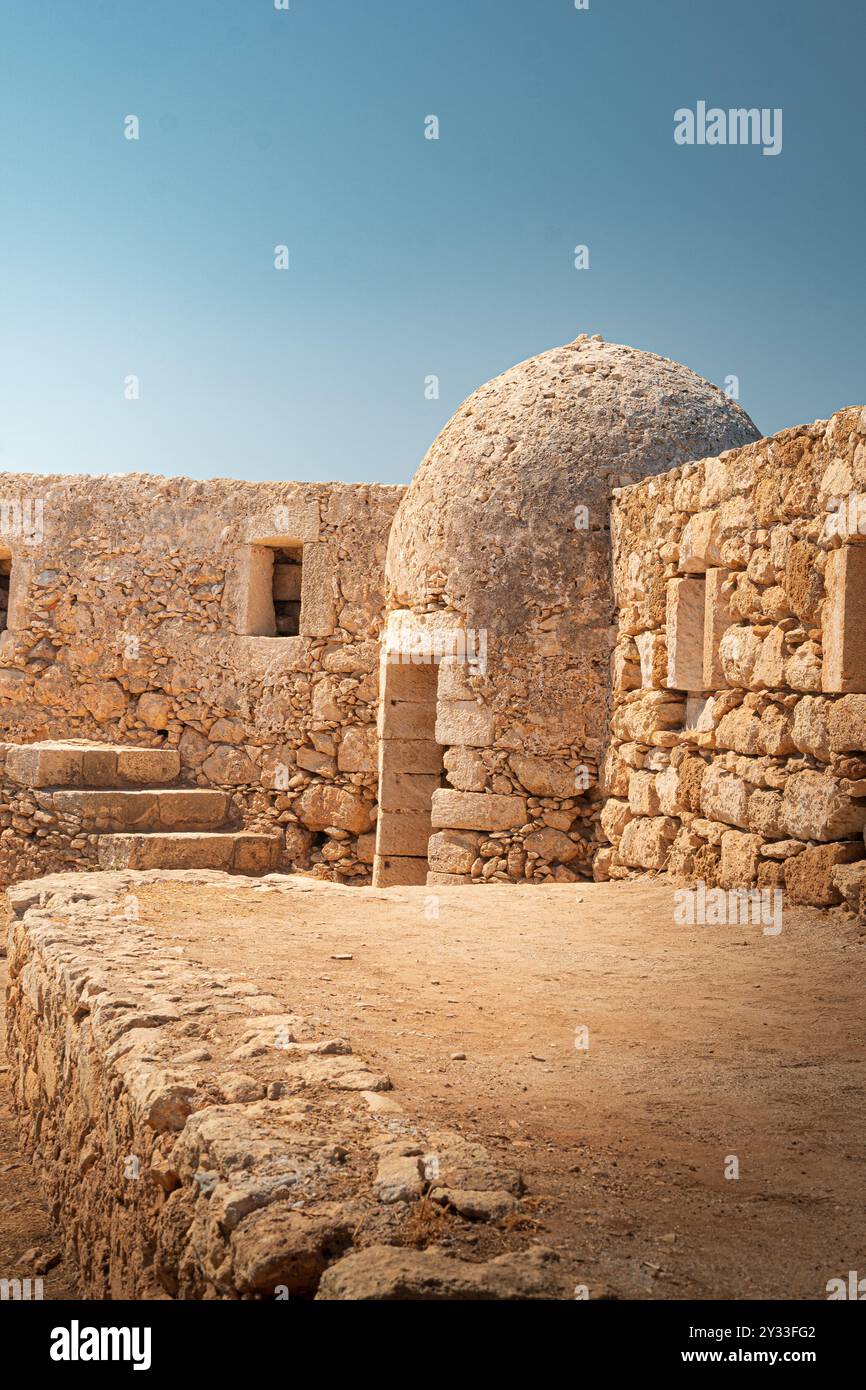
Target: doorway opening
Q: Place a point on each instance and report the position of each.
(410, 770)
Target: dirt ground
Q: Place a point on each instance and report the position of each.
(704, 1043)
(706, 1046)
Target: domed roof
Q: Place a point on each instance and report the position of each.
(489, 524)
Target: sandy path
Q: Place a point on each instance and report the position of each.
(704, 1043)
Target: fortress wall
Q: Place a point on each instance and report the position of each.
(131, 618)
(196, 1140)
(489, 758)
(738, 745)
(504, 533)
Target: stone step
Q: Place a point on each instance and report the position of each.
(78, 763)
(240, 852)
(162, 808)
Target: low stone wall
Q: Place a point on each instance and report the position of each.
(38, 837)
(197, 1141)
(74, 804)
(738, 750)
(41, 833)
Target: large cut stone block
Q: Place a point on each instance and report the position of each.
(407, 791)
(646, 843)
(464, 723)
(685, 634)
(809, 877)
(543, 776)
(625, 667)
(738, 651)
(739, 862)
(850, 880)
(652, 656)
(847, 724)
(643, 797)
(815, 808)
(141, 765)
(99, 767)
(477, 811)
(699, 546)
(765, 814)
(725, 797)
(646, 718)
(409, 755)
(465, 768)
(255, 601)
(320, 806)
(59, 764)
(391, 871)
(318, 590)
(357, 750)
(740, 730)
(812, 722)
(403, 832)
(454, 679)
(844, 667)
(111, 810)
(700, 716)
(615, 816)
(182, 808)
(402, 680)
(768, 672)
(406, 719)
(453, 851)
(241, 852)
(717, 618)
(41, 765)
(255, 854)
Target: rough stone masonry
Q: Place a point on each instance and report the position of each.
(138, 617)
(197, 1140)
(456, 682)
(738, 750)
(607, 631)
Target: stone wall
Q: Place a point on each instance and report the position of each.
(132, 619)
(521, 765)
(40, 834)
(738, 746)
(489, 768)
(195, 1140)
(503, 538)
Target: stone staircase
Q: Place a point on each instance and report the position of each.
(122, 795)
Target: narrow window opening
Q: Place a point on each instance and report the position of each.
(5, 575)
(287, 590)
(270, 575)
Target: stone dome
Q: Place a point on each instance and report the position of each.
(490, 527)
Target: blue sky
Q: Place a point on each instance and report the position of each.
(408, 257)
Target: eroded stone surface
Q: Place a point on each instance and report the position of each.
(504, 535)
(136, 622)
(195, 1141)
(776, 753)
(463, 663)
(384, 1273)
